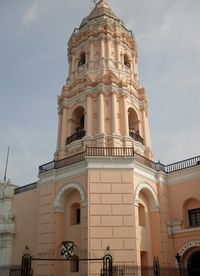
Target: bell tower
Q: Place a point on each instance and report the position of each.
(102, 103)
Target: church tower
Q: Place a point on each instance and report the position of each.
(103, 194)
(101, 190)
(102, 103)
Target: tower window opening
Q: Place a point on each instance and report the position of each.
(77, 125)
(82, 59)
(134, 125)
(194, 217)
(127, 62)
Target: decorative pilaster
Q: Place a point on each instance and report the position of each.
(101, 113)
(64, 127)
(125, 115)
(89, 116)
(145, 129)
(114, 114)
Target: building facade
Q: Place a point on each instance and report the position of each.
(7, 226)
(103, 191)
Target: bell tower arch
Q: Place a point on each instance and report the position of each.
(102, 103)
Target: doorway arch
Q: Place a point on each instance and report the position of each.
(193, 264)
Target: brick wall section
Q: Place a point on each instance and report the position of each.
(111, 214)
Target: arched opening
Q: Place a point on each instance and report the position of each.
(133, 123)
(193, 264)
(69, 207)
(191, 213)
(127, 62)
(148, 221)
(82, 59)
(77, 125)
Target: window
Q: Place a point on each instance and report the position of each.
(75, 214)
(127, 61)
(194, 217)
(81, 59)
(78, 216)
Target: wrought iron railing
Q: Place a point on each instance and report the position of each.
(75, 136)
(56, 164)
(136, 136)
(119, 152)
(130, 270)
(187, 163)
(26, 188)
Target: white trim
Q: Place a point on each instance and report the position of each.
(197, 229)
(59, 200)
(154, 203)
(188, 245)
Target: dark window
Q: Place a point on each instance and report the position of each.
(78, 216)
(194, 217)
(81, 59)
(127, 61)
(75, 214)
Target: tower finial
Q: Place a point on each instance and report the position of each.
(97, 2)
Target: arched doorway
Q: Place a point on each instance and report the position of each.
(194, 264)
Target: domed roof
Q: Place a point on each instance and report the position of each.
(101, 9)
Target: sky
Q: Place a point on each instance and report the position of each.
(33, 69)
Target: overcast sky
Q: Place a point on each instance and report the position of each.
(33, 69)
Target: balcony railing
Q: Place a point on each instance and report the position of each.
(187, 163)
(26, 188)
(109, 151)
(119, 152)
(136, 136)
(75, 136)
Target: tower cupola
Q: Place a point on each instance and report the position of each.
(102, 103)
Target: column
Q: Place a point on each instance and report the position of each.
(59, 128)
(88, 122)
(126, 126)
(91, 55)
(73, 65)
(102, 48)
(114, 114)
(145, 129)
(108, 48)
(101, 113)
(63, 128)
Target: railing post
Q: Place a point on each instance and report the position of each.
(156, 266)
(107, 265)
(26, 265)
